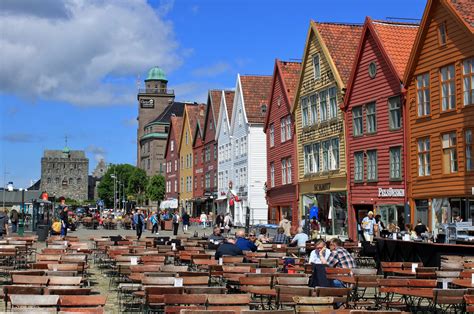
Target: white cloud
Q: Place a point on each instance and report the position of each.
(97, 151)
(73, 51)
(212, 70)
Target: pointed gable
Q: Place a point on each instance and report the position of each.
(198, 131)
(255, 92)
(229, 102)
(464, 9)
(341, 41)
(212, 112)
(397, 40)
(176, 124)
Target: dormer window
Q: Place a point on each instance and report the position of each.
(442, 37)
(263, 108)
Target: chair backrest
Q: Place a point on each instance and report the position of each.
(232, 259)
(365, 281)
(256, 281)
(82, 300)
(422, 283)
(173, 268)
(7, 290)
(449, 296)
(290, 281)
(205, 290)
(64, 267)
(153, 259)
(163, 290)
(229, 299)
(364, 271)
(408, 265)
(30, 280)
(64, 281)
(196, 280)
(286, 293)
(196, 299)
(69, 291)
(236, 269)
(268, 262)
(391, 265)
(158, 281)
(426, 272)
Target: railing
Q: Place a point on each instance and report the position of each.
(156, 91)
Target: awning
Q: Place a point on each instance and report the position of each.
(169, 203)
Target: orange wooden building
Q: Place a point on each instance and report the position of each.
(439, 80)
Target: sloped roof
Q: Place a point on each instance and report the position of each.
(194, 116)
(290, 73)
(229, 101)
(397, 40)
(176, 125)
(464, 8)
(342, 42)
(216, 96)
(175, 108)
(255, 91)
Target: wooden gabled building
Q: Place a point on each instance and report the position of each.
(375, 130)
(199, 174)
(172, 162)
(281, 185)
(328, 56)
(439, 80)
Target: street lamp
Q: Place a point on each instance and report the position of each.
(113, 176)
(21, 224)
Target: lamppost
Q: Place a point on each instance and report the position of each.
(21, 224)
(4, 186)
(113, 176)
(119, 183)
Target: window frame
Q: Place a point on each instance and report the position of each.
(359, 116)
(452, 150)
(469, 150)
(395, 109)
(448, 102)
(317, 67)
(283, 171)
(425, 92)
(424, 155)
(393, 166)
(332, 103)
(359, 169)
(305, 119)
(371, 115)
(442, 34)
(289, 133)
(313, 108)
(369, 165)
(272, 135)
(283, 130)
(323, 101)
(272, 174)
(470, 77)
(288, 171)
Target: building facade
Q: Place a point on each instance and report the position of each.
(248, 148)
(327, 61)
(375, 130)
(439, 80)
(186, 170)
(224, 157)
(199, 201)
(65, 173)
(172, 159)
(281, 183)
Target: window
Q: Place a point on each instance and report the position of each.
(176, 165)
(442, 34)
(371, 165)
(357, 118)
(272, 174)
(395, 113)
(423, 94)
(237, 147)
(325, 146)
(288, 170)
(395, 163)
(371, 117)
(424, 167)
(195, 182)
(305, 111)
(215, 151)
(332, 103)
(272, 135)
(172, 145)
(313, 99)
(215, 179)
(468, 81)
(187, 141)
(49, 180)
(359, 166)
(208, 180)
(288, 128)
(176, 185)
(323, 105)
(283, 130)
(242, 147)
(316, 67)
(334, 160)
(469, 154)
(448, 92)
(283, 171)
(240, 117)
(71, 181)
(450, 158)
(56, 180)
(308, 159)
(148, 165)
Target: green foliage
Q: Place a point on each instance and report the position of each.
(125, 174)
(137, 183)
(155, 189)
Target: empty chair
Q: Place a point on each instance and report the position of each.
(448, 300)
(364, 271)
(426, 272)
(292, 281)
(285, 294)
(174, 303)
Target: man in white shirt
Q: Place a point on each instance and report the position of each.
(314, 257)
(368, 226)
(300, 239)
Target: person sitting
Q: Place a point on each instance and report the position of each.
(420, 228)
(262, 237)
(228, 248)
(318, 277)
(319, 246)
(300, 240)
(280, 237)
(216, 237)
(243, 243)
(339, 257)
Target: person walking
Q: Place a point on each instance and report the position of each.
(14, 220)
(210, 218)
(368, 226)
(228, 223)
(64, 222)
(185, 220)
(139, 222)
(155, 221)
(175, 222)
(3, 223)
(286, 225)
(203, 219)
(220, 222)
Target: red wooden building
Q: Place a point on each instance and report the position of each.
(198, 160)
(210, 149)
(375, 130)
(282, 195)
(172, 159)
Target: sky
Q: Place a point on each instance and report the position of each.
(71, 68)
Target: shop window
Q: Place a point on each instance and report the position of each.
(421, 211)
(357, 121)
(423, 94)
(450, 159)
(448, 90)
(395, 113)
(469, 150)
(468, 81)
(330, 210)
(395, 163)
(424, 161)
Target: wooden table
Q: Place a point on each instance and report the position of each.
(403, 272)
(20, 300)
(465, 283)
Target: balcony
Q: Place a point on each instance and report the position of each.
(156, 91)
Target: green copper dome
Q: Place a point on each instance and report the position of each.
(156, 74)
(66, 150)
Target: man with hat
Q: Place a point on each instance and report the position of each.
(368, 226)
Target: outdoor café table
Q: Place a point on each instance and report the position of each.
(31, 300)
(414, 296)
(402, 272)
(465, 283)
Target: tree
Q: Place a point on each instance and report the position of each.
(137, 183)
(155, 189)
(122, 173)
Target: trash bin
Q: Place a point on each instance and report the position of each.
(42, 232)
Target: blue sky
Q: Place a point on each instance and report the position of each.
(70, 68)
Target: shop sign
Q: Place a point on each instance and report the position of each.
(146, 103)
(211, 167)
(322, 187)
(390, 192)
(199, 170)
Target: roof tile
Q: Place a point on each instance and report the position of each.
(255, 90)
(290, 72)
(342, 41)
(229, 101)
(465, 10)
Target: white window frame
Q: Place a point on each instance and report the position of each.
(371, 117)
(395, 113)
(447, 77)
(395, 155)
(468, 81)
(359, 166)
(272, 174)
(317, 66)
(357, 121)
(283, 130)
(272, 135)
(305, 115)
(332, 103)
(372, 173)
(323, 105)
(288, 171)
(468, 143)
(289, 134)
(450, 151)
(424, 156)
(283, 171)
(313, 109)
(423, 94)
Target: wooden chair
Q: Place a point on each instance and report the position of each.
(228, 301)
(268, 262)
(364, 271)
(339, 295)
(232, 259)
(469, 300)
(28, 300)
(387, 297)
(292, 281)
(285, 294)
(362, 284)
(196, 281)
(30, 280)
(426, 272)
(334, 273)
(64, 281)
(205, 290)
(313, 304)
(448, 300)
(158, 281)
(68, 291)
(9, 290)
(154, 297)
(83, 301)
(174, 303)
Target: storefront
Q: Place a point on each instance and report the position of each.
(282, 202)
(327, 201)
